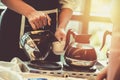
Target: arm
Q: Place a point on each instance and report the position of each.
(102, 74)
(19, 6)
(64, 17)
(114, 60)
(35, 18)
(66, 12)
(113, 71)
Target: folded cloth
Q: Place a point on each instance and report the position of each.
(15, 65)
(7, 74)
(10, 70)
(22, 66)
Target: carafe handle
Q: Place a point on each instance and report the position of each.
(69, 33)
(104, 38)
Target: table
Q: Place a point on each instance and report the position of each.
(36, 75)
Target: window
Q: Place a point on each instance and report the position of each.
(100, 8)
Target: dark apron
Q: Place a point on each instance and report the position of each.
(10, 30)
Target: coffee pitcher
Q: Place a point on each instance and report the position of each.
(37, 44)
(79, 52)
(106, 33)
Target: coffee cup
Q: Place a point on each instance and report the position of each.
(58, 47)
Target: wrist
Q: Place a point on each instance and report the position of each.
(61, 27)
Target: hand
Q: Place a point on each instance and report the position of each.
(60, 34)
(102, 75)
(38, 19)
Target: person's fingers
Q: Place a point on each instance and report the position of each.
(56, 35)
(102, 75)
(38, 23)
(44, 20)
(33, 26)
(33, 22)
(48, 20)
(60, 37)
(60, 34)
(64, 38)
(38, 20)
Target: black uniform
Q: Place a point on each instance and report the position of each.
(10, 30)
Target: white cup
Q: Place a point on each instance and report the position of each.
(58, 47)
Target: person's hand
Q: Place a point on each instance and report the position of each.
(38, 19)
(60, 34)
(102, 75)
